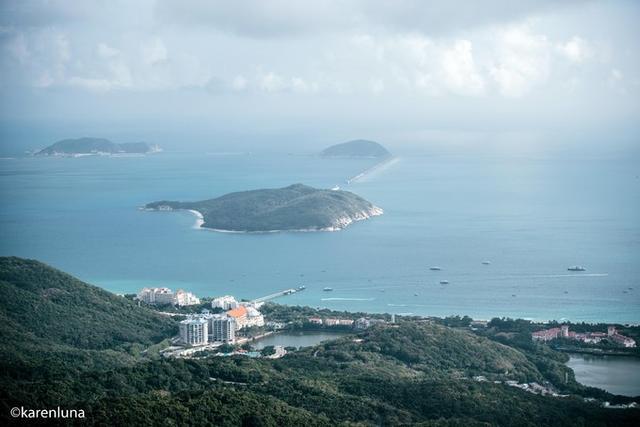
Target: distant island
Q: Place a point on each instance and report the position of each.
(297, 207)
(95, 146)
(356, 148)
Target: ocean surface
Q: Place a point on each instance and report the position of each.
(530, 216)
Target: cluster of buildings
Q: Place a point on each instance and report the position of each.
(586, 337)
(330, 321)
(206, 327)
(162, 296)
(359, 324)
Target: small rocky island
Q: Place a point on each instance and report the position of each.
(356, 148)
(95, 146)
(297, 207)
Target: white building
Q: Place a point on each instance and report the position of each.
(254, 317)
(161, 296)
(222, 328)
(194, 331)
(183, 298)
(226, 302)
(156, 295)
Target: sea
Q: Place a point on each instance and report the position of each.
(527, 217)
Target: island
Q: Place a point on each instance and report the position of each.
(356, 148)
(95, 146)
(297, 207)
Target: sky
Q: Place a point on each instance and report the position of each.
(297, 75)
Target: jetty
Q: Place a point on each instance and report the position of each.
(278, 294)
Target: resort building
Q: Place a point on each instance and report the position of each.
(239, 314)
(254, 317)
(194, 331)
(226, 302)
(365, 323)
(184, 298)
(156, 295)
(620, 339)
(246, 317)
(222, 328)
(338, 322)
(586, 337)
(162, 296)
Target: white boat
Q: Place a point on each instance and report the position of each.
(327, 289)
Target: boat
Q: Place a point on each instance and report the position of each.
(444, 282)
(415, 295)
(302, 288)
(577, 268)
(327, 289)
(435, 268)
(486, 262)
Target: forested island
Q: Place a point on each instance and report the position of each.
(72, 345)
(297, 207)
(95, 146)
(356, 148)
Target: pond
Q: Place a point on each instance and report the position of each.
(615, 374)
(296, 339)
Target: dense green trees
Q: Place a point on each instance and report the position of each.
(415, 372)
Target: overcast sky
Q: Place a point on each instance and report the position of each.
(280, 73)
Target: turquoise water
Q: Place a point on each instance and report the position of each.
(615, 374)
(532, 217)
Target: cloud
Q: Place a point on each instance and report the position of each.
(281, 18)
(522, 61)
(459, 70)
(576, 50)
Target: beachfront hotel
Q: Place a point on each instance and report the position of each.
(162, 296)
(194, 331)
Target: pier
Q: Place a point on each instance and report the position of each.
(278, 294)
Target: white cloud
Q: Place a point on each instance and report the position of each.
(154, 52)
(239, 83)
(576, 50)
(459, 70)
(522, 61)
(107, 52)
(272, 82)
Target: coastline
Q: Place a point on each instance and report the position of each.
(342, 223)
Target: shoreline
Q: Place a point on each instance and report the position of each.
(344, 223)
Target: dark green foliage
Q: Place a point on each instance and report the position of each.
(296, 207)
(356, 148)
(410, 373)
(53, 324)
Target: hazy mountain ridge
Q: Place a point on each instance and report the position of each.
(88, 146)
(297, 207)
(356, 148)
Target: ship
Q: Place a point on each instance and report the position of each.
(577, 268)
(444, 282)
(435, 268)
(327, 289)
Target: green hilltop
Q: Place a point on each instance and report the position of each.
(293, 208)
(86, 145)
(72, 345)
(356, 148)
